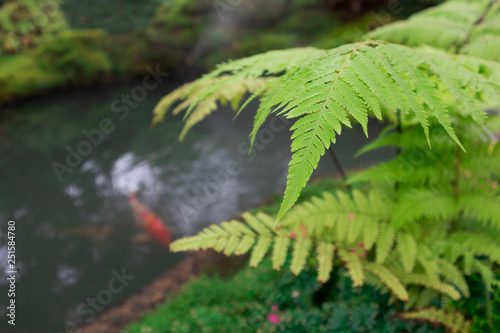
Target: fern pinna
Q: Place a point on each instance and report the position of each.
(415, 226)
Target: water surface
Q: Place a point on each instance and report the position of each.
(75, 229)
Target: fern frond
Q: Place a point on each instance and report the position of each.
(486, 274)
(423, 280)
(478, 244)
(259, 250)
(245, 244)
(454, 321)
(407, 249)
(425, 297)
(430, 264)
(230, 82)
(325, 252)
(327, 98)
(354, 266)
(301, 250)
(445, 26)
(470, 27)
(484, 209)
(388, 279)
(338, 215)
(280, 251)
(417, 204)
(485, 47)
(326, 90)
(385, 242)
(209, 237)
(453, 275)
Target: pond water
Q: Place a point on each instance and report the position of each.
(75, 228)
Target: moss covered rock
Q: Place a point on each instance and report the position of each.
(27, 23)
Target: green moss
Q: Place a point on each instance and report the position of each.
(76, 53)
(113, 16)
(25, 24)
(21, 76)
(180, 32)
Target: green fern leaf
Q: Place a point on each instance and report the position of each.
(478, 244)
(245, 245)
(280, 249)
(407, 248)
(425, 298)
(259, 250)
(324, 254)
(301, 250)
(385, 242)
(389, 279)
(416, 204)
(354, 267)
(423, 280)
(430, 265)
(453, 275)
(454, 321)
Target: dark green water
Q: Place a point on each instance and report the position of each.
(206, 179)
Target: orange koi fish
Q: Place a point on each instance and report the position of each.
(153, 225)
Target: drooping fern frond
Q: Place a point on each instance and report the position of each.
(355, 80)
(229, 83)
(407, 248)
(469, 27)
(388, 279)
(445, 26)
(454, 321)
(326, 90)
(478, 244)
(401, 259)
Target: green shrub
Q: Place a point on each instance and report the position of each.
(77, 54)
(244, 303)
(27, 23)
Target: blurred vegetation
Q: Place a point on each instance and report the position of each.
(113, 16)
(79, 54)
(244, 302)
(131, 36)
(27, 23)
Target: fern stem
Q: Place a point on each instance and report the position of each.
(489, 307)
(336, 161)
(398, 305)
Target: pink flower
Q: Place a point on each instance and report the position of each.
(292, 234)
(350, 216)
(274, 318)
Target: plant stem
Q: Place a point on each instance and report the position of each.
(398, 305)
(336, 161)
